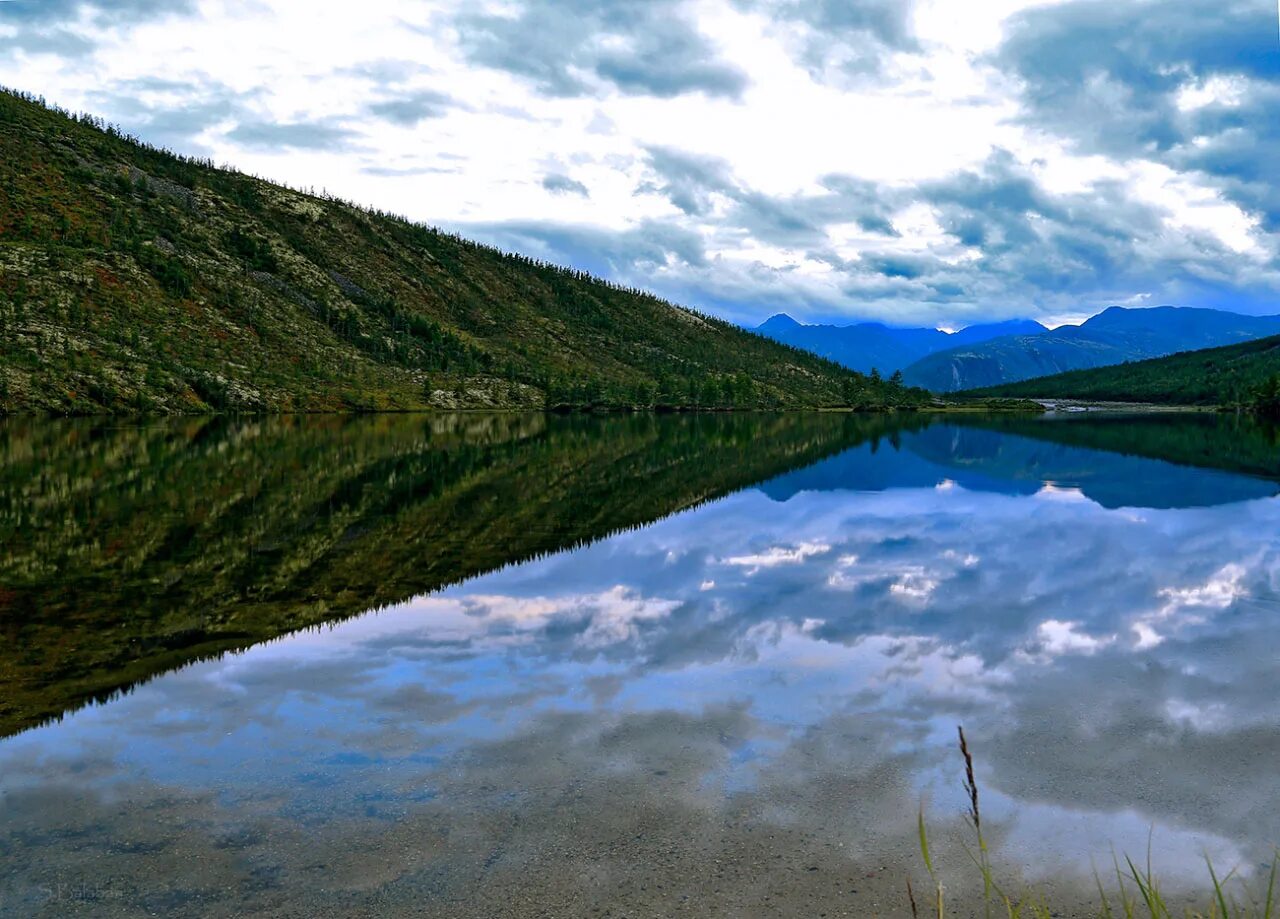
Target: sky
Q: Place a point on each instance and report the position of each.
(912, 161)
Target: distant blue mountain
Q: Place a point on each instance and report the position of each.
(870, 345)
(1112, 337)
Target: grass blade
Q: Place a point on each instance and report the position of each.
(1102, 894)
(1217, 889)
(924, 842)
(1271, 889)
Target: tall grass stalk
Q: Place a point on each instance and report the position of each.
(1138, 892)
(928, 863)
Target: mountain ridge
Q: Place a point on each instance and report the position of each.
(1113, 336)
(1232, 375)
(865, 346)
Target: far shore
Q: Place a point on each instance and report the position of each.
(1087, 405)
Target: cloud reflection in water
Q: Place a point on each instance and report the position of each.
(1110, 653)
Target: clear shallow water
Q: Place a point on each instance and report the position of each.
(737, 707)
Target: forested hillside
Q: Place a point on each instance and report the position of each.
(1238, 375)
(132, 279)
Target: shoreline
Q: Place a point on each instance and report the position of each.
(1026, 406)
(1082, 406)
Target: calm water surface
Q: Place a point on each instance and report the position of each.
(484, 666)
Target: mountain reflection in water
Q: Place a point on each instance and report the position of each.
(736, 707)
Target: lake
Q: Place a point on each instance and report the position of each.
(484, 665)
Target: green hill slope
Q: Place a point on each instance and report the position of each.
(132, 279)
(1234, 375)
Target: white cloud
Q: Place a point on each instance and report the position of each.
(421, 124)
(777, 555)
(1055, 638)
(914, 585)
(1186, 606)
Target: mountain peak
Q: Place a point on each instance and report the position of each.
(1166, 317)
(778, 322)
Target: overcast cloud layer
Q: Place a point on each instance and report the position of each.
(919, 162)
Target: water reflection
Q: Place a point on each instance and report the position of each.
(733, 709)
(132, 549)
(1023, 456)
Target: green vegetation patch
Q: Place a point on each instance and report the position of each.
(1244, 376)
